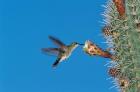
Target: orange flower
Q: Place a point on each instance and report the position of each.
(120, 5)
(124, 83)
(93, 49)
(107, 31)
(114, 72)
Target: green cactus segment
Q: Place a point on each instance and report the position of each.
(127, 44)
(133, 12)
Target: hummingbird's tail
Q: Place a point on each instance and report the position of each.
(56, 62)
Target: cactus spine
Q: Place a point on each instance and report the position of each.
(122, 33)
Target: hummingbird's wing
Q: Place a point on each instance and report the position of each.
(51, 51)
(58, 42)
(56, 62)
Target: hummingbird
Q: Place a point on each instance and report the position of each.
(62, 52)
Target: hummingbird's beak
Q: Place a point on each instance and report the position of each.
(80, 44)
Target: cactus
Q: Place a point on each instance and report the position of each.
(122, 34)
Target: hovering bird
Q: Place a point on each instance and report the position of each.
(62, 52)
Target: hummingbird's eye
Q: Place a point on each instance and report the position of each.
(75, 43)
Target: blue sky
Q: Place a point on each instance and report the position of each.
(24, 29)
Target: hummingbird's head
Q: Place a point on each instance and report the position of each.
(76, 44)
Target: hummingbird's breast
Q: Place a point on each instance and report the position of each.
(71, 50)
(67, 53)
(63, 57)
